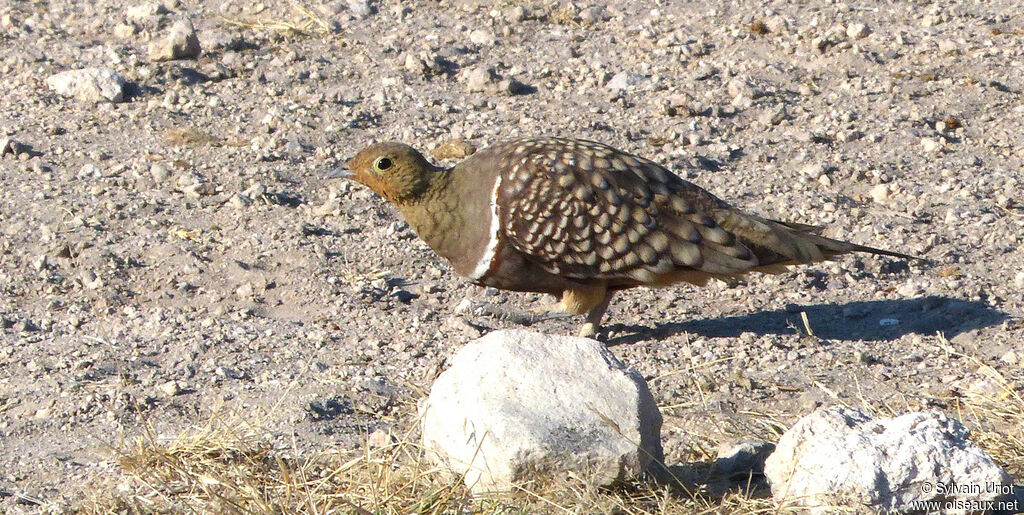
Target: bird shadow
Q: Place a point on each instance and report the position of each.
(863, 320)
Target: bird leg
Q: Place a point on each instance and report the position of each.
(589, 300)
(592, 300)
(593, 321)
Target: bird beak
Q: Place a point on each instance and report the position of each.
(340, 172)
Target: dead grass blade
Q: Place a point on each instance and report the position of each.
(308, 22)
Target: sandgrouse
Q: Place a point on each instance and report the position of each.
(580, 220)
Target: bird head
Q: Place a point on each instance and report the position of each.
(394, 171)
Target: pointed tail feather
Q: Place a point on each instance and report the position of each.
(830, 247)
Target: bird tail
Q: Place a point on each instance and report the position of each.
(831, 248)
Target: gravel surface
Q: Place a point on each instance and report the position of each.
(170, 249)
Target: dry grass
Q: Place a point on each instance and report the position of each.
(221, 468)
(996, 420)
(231, 467)
(306, 22)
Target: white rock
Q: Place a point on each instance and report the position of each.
(415, 65)
(360, 8)
(89, 84)
(948, 46)
(90, 171)
(1018, 280)
(256, 190)
(8, 146)
(483, 37)
(181, 43)
(481, 78)
(740, 87)
(625, 80)
(465, 306)
(125, 30)
(814, 170)
(147, 10)
(517, 406)
(170, 388)
(239, 201)
(159, 172)
(840, 456)
(931, 145)
(90, 280)
(857, 31)
(516, 14)
(880, 193)
(1011, 357)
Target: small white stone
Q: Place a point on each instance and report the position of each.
(181, 42)
(948, 46)
(256, 190)
(857, 31)
(415, 65)
(90, 171)
(880, 193)
(814, 170)
(624, 81)
(464, 306)
(159, 173)
(515, 14)
(481, 78)
(483, 37)
(143, 11)
(931, 145)
(41, 262)
(1011, 357)
(360, 8)
(239, 201)
(170, 388)
(89, 84)
(125, 30)
(90, 280)
(1018, 280)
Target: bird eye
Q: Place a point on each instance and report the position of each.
(383, 163)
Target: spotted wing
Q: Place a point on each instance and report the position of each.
(586, 210)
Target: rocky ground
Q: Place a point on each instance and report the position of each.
(176, 252)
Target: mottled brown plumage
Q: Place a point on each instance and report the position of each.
(581, 220)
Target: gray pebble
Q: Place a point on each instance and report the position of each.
(483, 37)
(481, 78)
(625, 81)
(159, 172)
(360, 8)
(89, 84)
(181, 42)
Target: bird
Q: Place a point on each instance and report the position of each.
(580, 220)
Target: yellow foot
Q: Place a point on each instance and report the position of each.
(588, 330)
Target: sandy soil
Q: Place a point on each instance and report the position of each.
(180, 254)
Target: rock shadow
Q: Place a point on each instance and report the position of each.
(702, 479)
